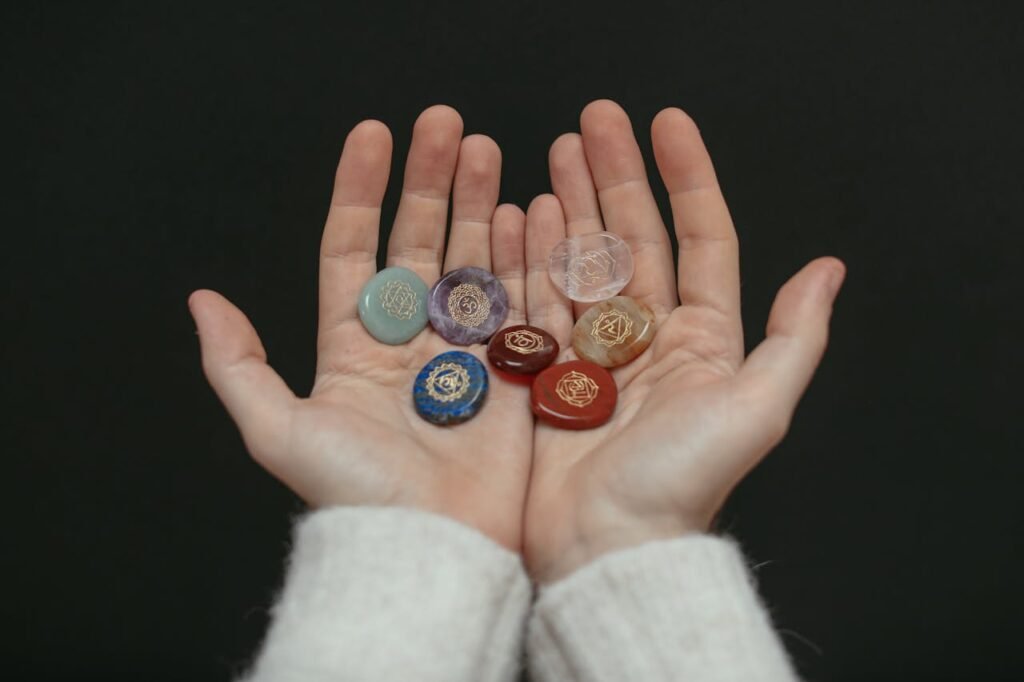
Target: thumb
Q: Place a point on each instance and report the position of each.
(778, 371)
(236, 366)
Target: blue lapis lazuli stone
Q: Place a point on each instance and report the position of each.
(451, 388)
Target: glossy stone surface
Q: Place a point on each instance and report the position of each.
(451, 388)
(393, 305)
(467, 306)
(574, 395)
(591, 267)
(614, 332)
(522, 349)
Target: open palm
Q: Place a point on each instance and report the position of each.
(693, 415)
(357, 439)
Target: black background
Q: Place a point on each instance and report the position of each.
(154, 150)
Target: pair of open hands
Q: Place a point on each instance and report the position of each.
(693, 415)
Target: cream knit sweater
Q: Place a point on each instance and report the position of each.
(387, 594)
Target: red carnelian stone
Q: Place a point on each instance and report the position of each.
(574, 395)
(522, 349)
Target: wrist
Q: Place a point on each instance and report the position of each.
(593, 543)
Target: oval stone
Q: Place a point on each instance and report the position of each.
(393, 305)
(451, 388)
(614, 332)
(574, 395)
(467, 306)
(522, 349)
(591, 267)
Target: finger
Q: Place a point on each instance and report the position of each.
(236, 366)
(348, 249)
(627, 203)
(418, 234)
(708, 248)
(474, 198)
(545, 306)
(572, 184)
(778, 371)
(508, 237)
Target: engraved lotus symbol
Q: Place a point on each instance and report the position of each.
(447, 382)
(468, 305)
(524, 341)
(399, 300)
(611, 328)
(590, 267)
(577, 389)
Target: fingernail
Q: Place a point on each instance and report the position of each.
(835, 279)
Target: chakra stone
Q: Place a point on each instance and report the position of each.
(522, 349)
(574, 395)
(613, 332)
(393, 305)
(467, 306)
(451, 388)
(591, 267)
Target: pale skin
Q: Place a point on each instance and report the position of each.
(694, 415)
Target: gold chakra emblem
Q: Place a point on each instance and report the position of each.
(447, 382)
(612, 328)
(591, 267)
(576, 388)
(469, 305)
(399, 300)
(524, 342)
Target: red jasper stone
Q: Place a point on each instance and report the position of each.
(522, 349)
(574, 395)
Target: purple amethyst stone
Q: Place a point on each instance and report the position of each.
(467, 306)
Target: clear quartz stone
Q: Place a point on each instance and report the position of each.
(591, 267)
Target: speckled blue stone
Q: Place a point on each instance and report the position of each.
(457, 409)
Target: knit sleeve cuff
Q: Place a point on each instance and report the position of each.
(395, 594)
(682, 609)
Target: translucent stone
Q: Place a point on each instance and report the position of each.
(591, 267)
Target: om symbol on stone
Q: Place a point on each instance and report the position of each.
(469, 305)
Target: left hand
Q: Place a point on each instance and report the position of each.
(693, 415)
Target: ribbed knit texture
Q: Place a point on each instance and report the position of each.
(394, 594)
(682, 609)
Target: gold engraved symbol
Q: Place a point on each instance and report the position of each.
(591, 267)
(399, 300)
(524, 342)
(576, 388)
(469, 305)
(612, 328)
(447, 382)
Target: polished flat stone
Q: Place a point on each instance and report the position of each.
(591, 267)
(574, 395)
(467, 306)
(613, 332)
(522, 349)
(451, 388)
(393, 305)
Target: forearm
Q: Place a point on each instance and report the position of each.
(682, 609)
(395, 594)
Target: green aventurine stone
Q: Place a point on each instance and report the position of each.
(393, 305)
